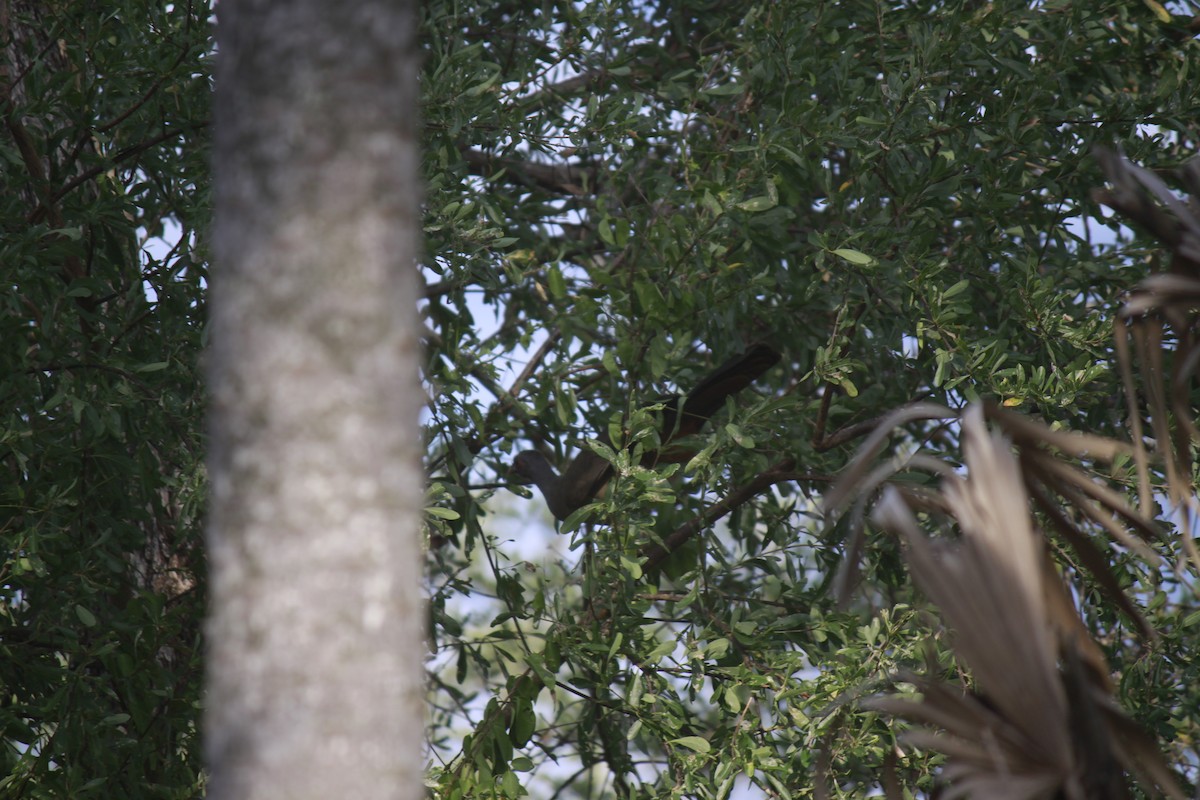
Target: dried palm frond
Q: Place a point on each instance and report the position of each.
(1035, 729)
(1046, 476)
(1145, 198)
(1161, 306)
(862, 478)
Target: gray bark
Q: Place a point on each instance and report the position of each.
(314, 635)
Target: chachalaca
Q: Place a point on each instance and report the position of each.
(682, 416)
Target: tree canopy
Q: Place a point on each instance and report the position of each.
(104, 206)
(898, 197)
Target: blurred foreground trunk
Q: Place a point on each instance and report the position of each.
(314, 667)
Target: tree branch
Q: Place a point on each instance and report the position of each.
(572, 179)
(780, 472)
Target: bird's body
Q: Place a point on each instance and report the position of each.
(682, 415)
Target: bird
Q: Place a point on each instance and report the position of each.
(682, 415)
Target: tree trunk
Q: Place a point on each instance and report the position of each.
(314, 665)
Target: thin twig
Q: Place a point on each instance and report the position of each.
(780, 472)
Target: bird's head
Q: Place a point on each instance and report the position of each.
(530, 466)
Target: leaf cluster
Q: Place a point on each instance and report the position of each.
(103, 201)
(897, 197)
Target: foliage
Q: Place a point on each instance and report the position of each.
(894, 194)
(619, 195)
(103, 197)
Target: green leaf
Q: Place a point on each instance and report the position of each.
(664, 649)
(524, 723)
(712, 204)
(742, 439)
(717, 649)
(85, 616)
(724, 90)
(957, 288)
(605, 232)
(1159, 10)
(695, 743)
(556, 282)
(756, 204)
(155, 366)
(854, 256)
